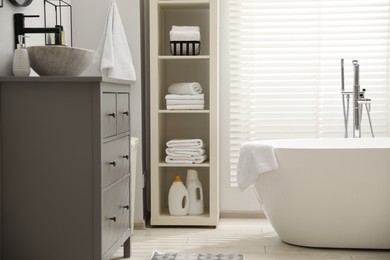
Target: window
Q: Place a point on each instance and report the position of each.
(285, 67)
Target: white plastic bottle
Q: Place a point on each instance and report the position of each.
(21, 61)
(178, 198)
(195, 193)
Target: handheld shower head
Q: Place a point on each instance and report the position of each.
(342, 75)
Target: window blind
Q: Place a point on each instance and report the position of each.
(285, 75)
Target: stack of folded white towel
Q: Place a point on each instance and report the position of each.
(187, 95)
(190, 151)
(184, 34)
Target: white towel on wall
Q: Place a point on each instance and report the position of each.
(185, 88)
(255, 159)
(174, 96)
(185, 143)
(113, 56)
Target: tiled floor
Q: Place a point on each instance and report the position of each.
(255, 238)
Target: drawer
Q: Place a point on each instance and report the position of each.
(116, 160)
(123, 118)
(115, 215)
(109, 114)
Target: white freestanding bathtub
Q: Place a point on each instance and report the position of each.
(332, 193)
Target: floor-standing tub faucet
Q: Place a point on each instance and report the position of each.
(359, 100)
(356, 96)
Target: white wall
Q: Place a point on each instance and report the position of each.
(7, 31)
(89, 17)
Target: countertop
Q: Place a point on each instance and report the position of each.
(63, 79)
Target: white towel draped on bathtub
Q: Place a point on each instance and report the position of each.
(255, 158)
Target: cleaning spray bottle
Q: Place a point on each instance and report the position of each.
(21, 62)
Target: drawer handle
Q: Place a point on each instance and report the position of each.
(113, 218)
(113, 163)
(126, 157)
(126, 207)
(112, 114)
(126, 113)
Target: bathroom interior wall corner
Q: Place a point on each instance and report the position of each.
(87, 33)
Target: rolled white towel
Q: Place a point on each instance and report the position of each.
(185, 151)
(176, 97)
(185, 88)
(189, 107)
(185, 143)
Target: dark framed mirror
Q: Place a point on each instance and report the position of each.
(20, 2)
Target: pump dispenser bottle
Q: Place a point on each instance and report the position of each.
(21, 62)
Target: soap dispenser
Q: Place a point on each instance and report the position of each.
(21, 62)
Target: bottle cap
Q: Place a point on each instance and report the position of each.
(177, 178)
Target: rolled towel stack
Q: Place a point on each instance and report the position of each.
(187, 95)
(185, 40)
(188, 151)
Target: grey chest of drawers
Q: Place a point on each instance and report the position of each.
(65, 168)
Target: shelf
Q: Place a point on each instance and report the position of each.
(164, 164)
(186, 57)
(184, 3)
(184, 111)
(197, 220)
(167, 124)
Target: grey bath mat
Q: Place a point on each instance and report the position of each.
(183, 256)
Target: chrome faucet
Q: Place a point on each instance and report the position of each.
(356, 96)
(359, 100)
(20, 29)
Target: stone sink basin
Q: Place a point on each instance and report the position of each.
(55, 60)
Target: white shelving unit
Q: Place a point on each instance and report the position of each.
(166, 69)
